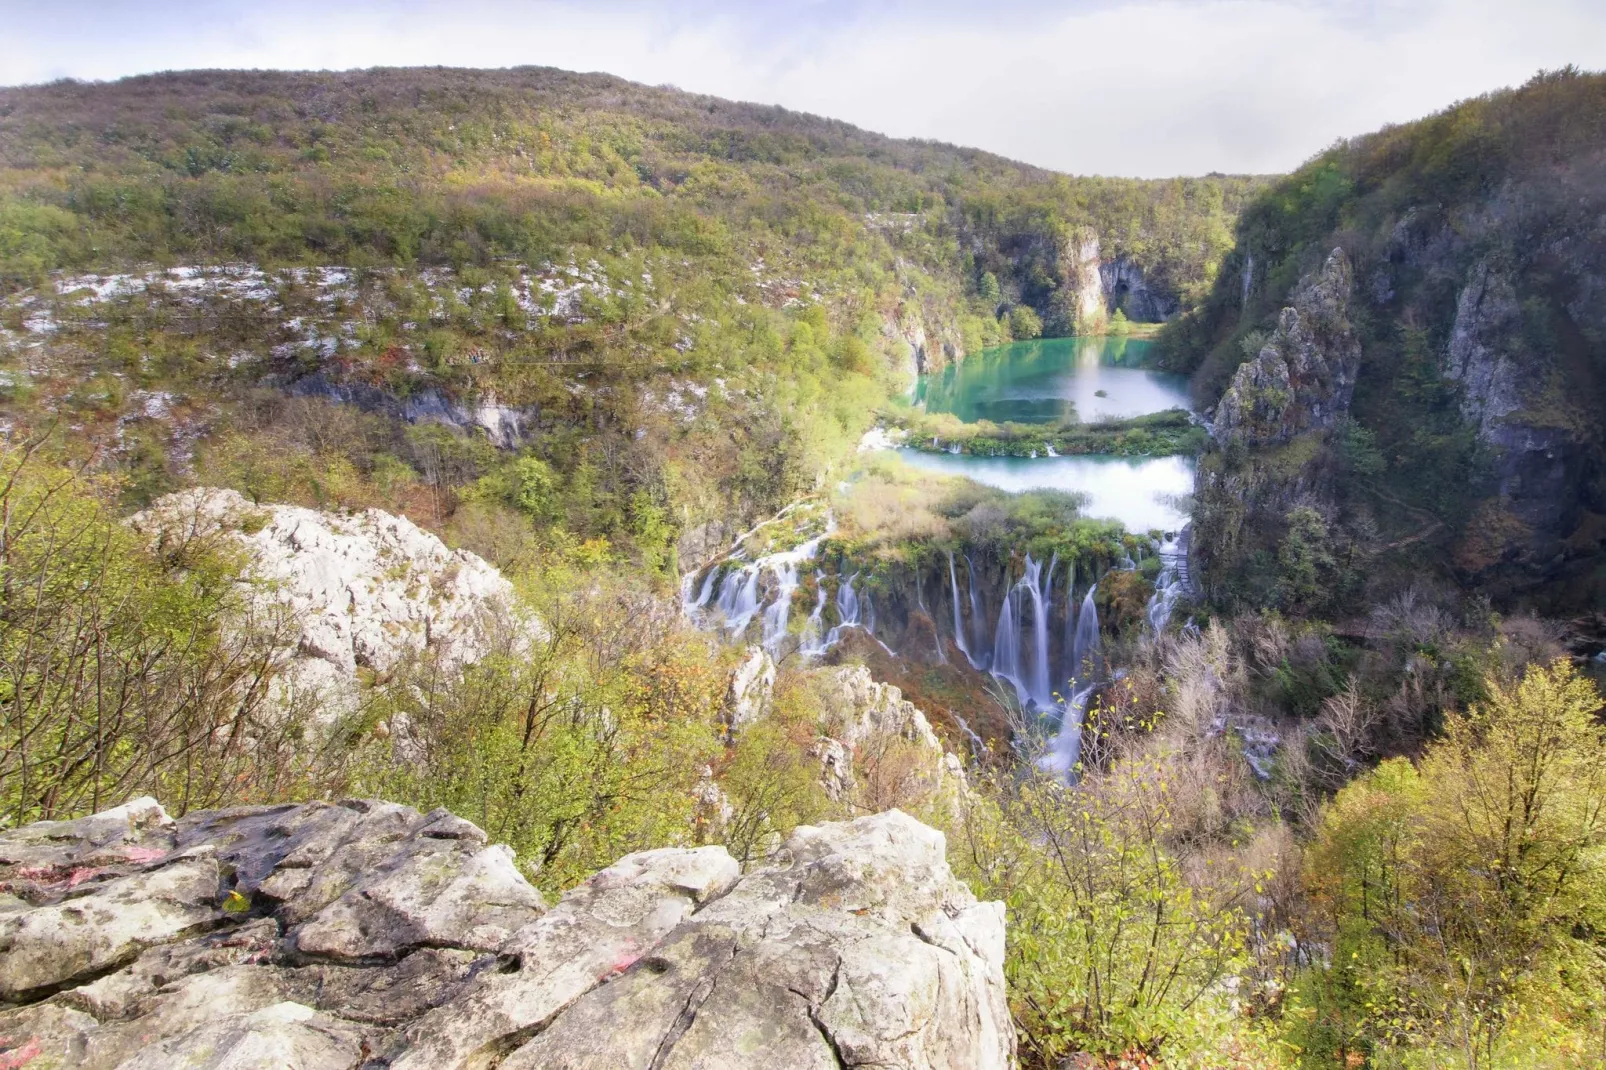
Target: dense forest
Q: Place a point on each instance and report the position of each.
(1342, 804)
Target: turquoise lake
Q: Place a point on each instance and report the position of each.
(1054, 380)
(1062, 379)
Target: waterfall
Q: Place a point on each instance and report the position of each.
(738, 591)
(708, 589)
(975, 602)
(777, 612)
(1085, 640)
(1025, 667)
(847, 611)
(1065, 750)
(812, 643)
(1170, 584)
(959, 621)
(1038, 681)
(738, 598)
(1006, 644)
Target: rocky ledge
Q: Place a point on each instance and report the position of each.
(365, 934)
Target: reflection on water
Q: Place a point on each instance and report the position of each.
(1053, 380)
(1140, 492)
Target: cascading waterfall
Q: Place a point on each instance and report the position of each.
(812, 642)
(736, 590)
(975, 606)
(777, 612)
(1170, 584)
(1042, 691)
(959, 621)
(738, 598)
(1006, 644)
(1025, 666)
(1065, 750)
(708, 589)
(1085, 640)
(847, 611)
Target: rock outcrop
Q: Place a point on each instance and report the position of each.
(364, 590)
(1270, 453)
(366, 934)
(868, 717)
(1304, 376)
(1081, 288)
(1128, 290)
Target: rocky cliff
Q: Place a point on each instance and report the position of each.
(365, 934)
(1272, 431)
(1478, 243)
(359, 591)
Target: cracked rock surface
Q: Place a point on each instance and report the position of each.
(365, 934)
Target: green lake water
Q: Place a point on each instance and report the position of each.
(1054, 380)
(1061, 379)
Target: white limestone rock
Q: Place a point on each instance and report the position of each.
(365, 933)
(364, 590)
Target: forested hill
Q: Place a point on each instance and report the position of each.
(669, 313)
(455, 166)
(1463, 442)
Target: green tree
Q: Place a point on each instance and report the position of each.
(1024, 324)
(1463, 897)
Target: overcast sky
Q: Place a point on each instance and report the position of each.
(1134, 87)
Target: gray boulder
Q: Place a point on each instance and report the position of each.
(365, 934)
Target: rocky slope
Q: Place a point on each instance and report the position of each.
(1273, 431)
(365, 934)
(361, 591)
(1475, 377)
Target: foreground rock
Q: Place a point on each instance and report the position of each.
(366, 934)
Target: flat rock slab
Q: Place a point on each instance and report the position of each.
(365, 934)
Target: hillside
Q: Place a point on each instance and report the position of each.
(679, 311)
(1471, 449)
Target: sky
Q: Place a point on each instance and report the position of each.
(1121, 87)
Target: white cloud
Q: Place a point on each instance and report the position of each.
(1146, 87)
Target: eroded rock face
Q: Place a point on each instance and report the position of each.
(1304, 376)
(364, 590)
(1270, 452)
(366, 934)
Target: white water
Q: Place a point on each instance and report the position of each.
(959, 623)
(1170, 584)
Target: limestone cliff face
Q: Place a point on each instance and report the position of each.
(1303, 378)
(1081, 288)
(366, 934)
(1269, 451)
(1538, 470)
(349, 592)
(1478, 244)
(1128, 289)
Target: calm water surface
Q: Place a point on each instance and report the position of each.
(1141, 492)
(1064, 379)
(1054, 380)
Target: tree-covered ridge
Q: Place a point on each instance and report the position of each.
(1478, 251)
(687, 308)
(462, 166)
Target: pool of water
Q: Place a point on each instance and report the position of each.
(1141, 492)
(1054, 380)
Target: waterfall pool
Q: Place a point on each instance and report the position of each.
(1143, 493)
(1052, 380)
